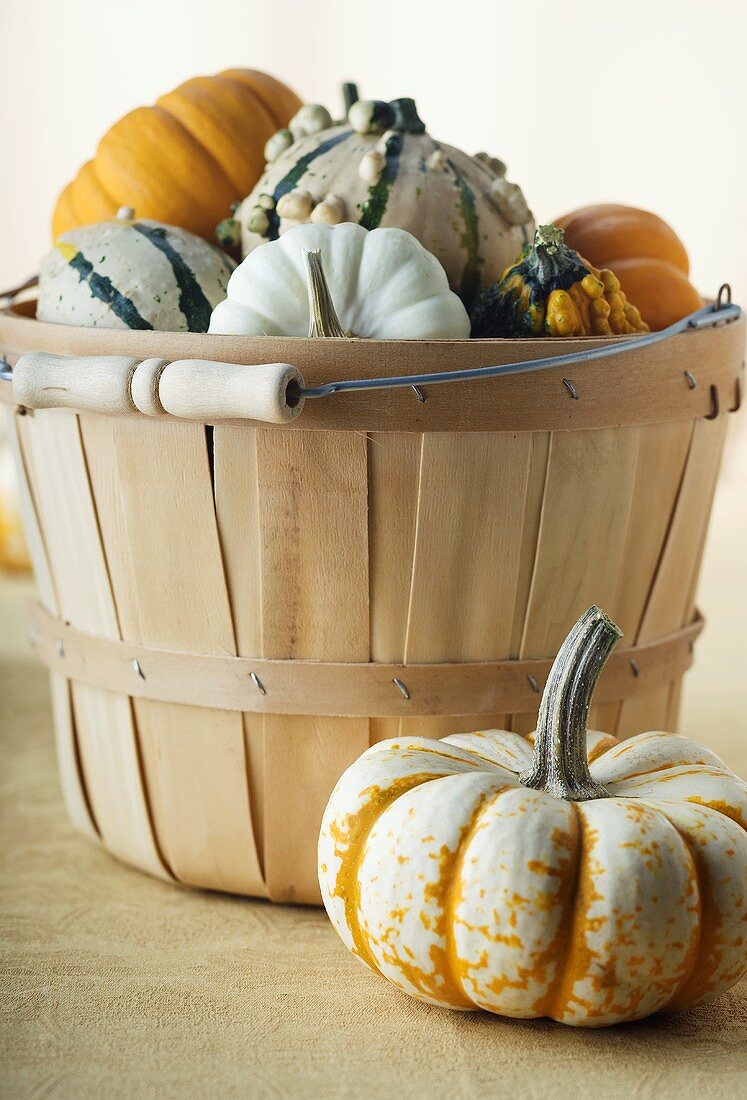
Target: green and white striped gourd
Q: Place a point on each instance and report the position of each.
(380, 168)
(130, 273)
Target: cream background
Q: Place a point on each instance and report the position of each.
(636, 102)
(641, 102)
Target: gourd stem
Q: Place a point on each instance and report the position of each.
(549, 237)
(323, 320)
(560, 763)
(349, 96)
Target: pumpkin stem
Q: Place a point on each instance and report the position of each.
(560, 764)
(323, 320)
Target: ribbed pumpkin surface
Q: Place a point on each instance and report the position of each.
(185, 159)
(466, 889)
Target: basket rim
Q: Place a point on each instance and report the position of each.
(21, 314)
(646, 386)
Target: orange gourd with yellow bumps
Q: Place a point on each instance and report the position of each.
(184, 160)
(566, 875)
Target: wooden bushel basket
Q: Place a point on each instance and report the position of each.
(232, 611)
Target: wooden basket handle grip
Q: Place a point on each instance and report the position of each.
(197, 389)
(192, 389)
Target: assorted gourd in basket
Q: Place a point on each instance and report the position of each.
(453, 248)
(563, 874)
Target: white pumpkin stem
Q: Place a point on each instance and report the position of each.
(560, 764)
(323, 320)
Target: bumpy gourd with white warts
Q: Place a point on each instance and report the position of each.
(552, 291)
(340, 280)
(132, 273)
(580, 878)
(380, 168)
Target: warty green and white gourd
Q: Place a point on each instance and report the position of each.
(380, 284)
(132, 273)
(380, 168)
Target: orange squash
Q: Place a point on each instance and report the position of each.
(662, 293)
(609, 231)
(644, 252)
(185, 159)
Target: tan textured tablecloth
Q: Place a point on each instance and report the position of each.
(115, 984)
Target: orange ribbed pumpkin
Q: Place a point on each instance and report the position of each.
(184, 160)
(644, 252)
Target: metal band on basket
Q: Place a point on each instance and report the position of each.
(336, 688)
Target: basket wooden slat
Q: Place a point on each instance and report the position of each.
(313, 521)
(73, 789)
(155, 505)
(393, 479)
(672, 592)
(106, 736)
(466, 555)
(662, 454)
(237, 513)
(530, 530)
(580, 538)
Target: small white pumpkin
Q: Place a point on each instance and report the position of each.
(130, 273)
(483, 872)
(383, 283)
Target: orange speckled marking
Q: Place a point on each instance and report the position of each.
(568, 869)
(582, 961)
(722, 807)
(540, 868)
(349, 836)
(578, 956)
(628, 776)
(602, 746)
(444, 982)
(706, 954)
(542, 961)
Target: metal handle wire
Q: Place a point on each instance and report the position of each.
(719, 312)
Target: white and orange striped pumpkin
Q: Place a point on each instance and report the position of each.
(493, 871)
